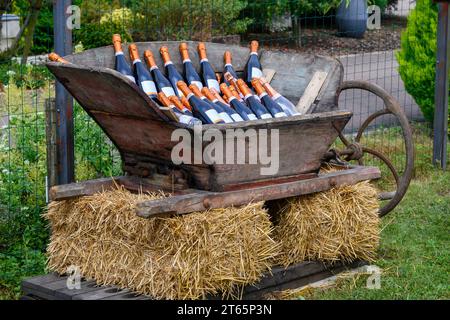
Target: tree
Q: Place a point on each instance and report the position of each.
(27, 29)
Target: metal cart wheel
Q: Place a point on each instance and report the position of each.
(356, 151)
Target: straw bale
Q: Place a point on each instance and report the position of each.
(341, 224)
(185, 257)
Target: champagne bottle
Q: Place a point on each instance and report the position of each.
(237, 94)
(253, 67)
(186, 103)
(172, 73)
(201, 109)
(143, 77)
(177, 103)
(190, 74)
(240, 107)
(207, 72)
(162, 84)
(287, 106)
(275, 109)
(217, 95)
(256, 106)
(231, 112)
(222, 113)
(228, 66)
(122, 64)
(180, 116)
(233, 82)
(57, 58)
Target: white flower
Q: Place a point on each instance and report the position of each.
(11, 73)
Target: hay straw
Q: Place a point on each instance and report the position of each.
(186, 257)
(341, 224)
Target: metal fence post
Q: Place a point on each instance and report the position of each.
(64, 102)
(442, 86)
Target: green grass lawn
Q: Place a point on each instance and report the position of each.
(415, 248)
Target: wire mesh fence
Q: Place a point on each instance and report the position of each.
(310, 27)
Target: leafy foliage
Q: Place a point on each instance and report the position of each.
(23, 233)
(417, 57)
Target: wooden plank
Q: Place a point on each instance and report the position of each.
(131, 183)
(85, 287)
(311, 92)
(296, 276)
(86, 188)
(269, 74)
(281, 275)
(294, 71)
(278, 279)
(102, 293)
(211, 200)
(127, 296)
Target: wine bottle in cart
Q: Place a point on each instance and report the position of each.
(253, 67)
(162, 84)
(172, 73)
(121, 64)
(190, 74)
(256, 106)
(186, 103)
(222, 113)
(207, 72)
(230, 111)
(177, 103)
(240, 107)
(218, 96)
(232, 81)
(180, 116)
(228, 68)
(287, 106)
(275, 109)
(143, 78)
(57, 58)
(201, 109)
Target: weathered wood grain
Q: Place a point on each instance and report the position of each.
(295, 71)
(311, 92)
(279, 278)
(269, 74)
(211, 200)
(86, 188)
(137, 127)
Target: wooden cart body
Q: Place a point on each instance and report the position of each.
(143, 135)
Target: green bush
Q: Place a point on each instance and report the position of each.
(23, 232)
(265, 11)
(417, 57)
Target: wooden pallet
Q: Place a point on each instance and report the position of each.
(54, 287)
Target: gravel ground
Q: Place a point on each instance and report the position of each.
(326, 41)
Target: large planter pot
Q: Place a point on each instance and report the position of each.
(352, 19)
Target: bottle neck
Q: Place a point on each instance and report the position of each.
(271, 91)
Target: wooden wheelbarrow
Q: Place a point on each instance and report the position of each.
(143, 135)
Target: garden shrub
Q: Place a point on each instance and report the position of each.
(265, 11)
(23, 232)
(417, 57)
